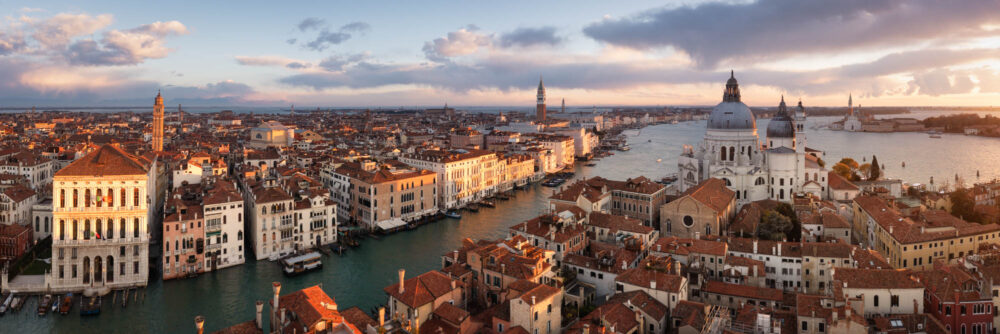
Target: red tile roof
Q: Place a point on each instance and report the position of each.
(109, 160)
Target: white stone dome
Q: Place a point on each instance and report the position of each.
(732, 116)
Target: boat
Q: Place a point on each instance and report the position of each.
(591, 164)
(473, 207)
(90, 306)
(659, 160)
(43, 304)
(55, 304)
(453, 214)
(16, 304)
(6, 303)
(66, 304)
(935, 136)
(625, 148)
(301, 264)
(488, 204)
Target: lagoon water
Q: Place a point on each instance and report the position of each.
(227, 296)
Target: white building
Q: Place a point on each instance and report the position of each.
(271, 134)
(464, 176)
(42, 217)
(101, 211)
(731, 151)
(223, 205)
(38, 170)
(15, 205)
(272, 221)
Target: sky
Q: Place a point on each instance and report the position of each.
(493, 53)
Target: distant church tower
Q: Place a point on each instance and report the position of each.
(540, 106)
(563, 110)
(158, 123)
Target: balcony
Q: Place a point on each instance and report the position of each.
(213, 227)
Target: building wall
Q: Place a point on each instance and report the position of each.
(42, 220)
(272, 227)
(910, 300)
(182, 255)
(127, 250)
(224, 234)
(548, 311)
(704, 220)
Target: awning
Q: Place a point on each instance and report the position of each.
(390, 224)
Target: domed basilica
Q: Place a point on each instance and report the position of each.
(776, 168)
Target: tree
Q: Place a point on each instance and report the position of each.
(774, 226)
(963, 205)
(865, 169)
(850, 163)
(876, 171)
(843, 170)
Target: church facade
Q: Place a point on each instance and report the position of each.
(776, 168)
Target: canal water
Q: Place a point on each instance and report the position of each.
(227, 296)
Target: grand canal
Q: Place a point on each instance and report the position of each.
(227, 296)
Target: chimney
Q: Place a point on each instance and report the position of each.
(697, 235)
(532, 300)
(454, 284)
(890, 229)
(755, 246)
(455, 255)
(282, 323)
(624, 265)
(652, 285)
(402, 274)
(834, 317)
(199, 323)
(586, 328)
(260, 311)
(779, 249)
(274, 305)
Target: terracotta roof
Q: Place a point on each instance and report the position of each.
(423, 289)
(643, 277)
(713, 193)
(109, 160)
(838, 182)
(876, 278)
(618, 223)
(358, 318)
(310, 306)
(18, 193)
(643, 301)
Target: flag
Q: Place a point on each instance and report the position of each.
(97, 235)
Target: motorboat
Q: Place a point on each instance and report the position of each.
(453, 214)
(301, 264)
(44, 304)
(66, 304)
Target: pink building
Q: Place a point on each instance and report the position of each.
(183, 242)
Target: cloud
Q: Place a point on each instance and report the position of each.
(767, 29)
(338, 62)
(310, 23)
(356, 27)
(940, 82)
(11, 43)
(530, 37)
(31, 10)
(271, 61)
(58, 30)
(297, 65)
(461, 42)
(328, 37)
(128, 47)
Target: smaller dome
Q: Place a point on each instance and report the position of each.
(781, 125)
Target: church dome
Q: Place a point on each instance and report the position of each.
(731, 114)
(781, 125)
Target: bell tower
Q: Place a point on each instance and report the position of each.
(540, 105)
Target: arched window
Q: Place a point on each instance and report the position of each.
(100, 198)
(121, 197)
(223, 219)
(239, 217)
(111, 197)
(121, 227)
(76, 194)
(239, 235)
(225, 238)
(723, 155)
(111, 229)
(135, 228)
(38, 226)
(86, 229)
(62, 198)
(86, 270)
(728, 183)
(98, 229)
(98, 269)
(875, 300)
(62, 229)
(86, 198)
(135, 196)
(111, 269)
(46, 224)
(781, 195)
(759, 181)
(690, 176)
(732, 153)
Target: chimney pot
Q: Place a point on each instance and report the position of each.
(402, 275)
(199, 323)
(260, 310)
